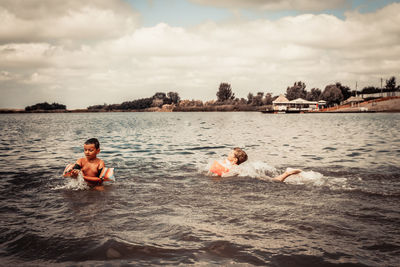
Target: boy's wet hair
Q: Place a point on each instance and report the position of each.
(240, 155)
(93, 141)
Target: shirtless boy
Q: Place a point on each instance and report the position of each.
(91, 166)
(236, 157)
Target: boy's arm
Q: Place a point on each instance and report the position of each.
(102, 165)
(285, 175)
(76, 168)
(78, 164)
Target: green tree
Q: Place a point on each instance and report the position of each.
(346, 92)
(137, 104)
(267, 99)
(298, 90)
(314, 94)
(46, 106)
(391, 84)
(258, 99)
(174, 97)
(159, 95)
(250, 97)
(225, 92)
(370, 90)
(332, 95)
(159, 99)
(242, 101)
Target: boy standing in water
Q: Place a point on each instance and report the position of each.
(91, 166)
(236, 157)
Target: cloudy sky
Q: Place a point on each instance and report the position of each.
(81, 53)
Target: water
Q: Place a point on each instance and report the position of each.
(164, 209)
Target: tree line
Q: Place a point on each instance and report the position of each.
(332, 94)
(157, 100)
(46, 106)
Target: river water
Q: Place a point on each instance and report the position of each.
(164, 208)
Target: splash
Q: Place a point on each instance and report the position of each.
(77, 183)
(264, 171)
(256, 169)
(306, 177)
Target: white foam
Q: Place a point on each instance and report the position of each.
(257, 169)
(74, 183)
(316, 179)
(306, 177)
(264, 171)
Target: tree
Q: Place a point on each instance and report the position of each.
(250, 97)
(298, 90)
(370, 90)
(257, 100)
(314, 94)
(332, 95)
(391, 84)
(137, 104)
(242, 101)
(46, 106)
(159, 99)
(159, 95)
(346, 92)
(267, 99)
(174, 97)
(225, 92)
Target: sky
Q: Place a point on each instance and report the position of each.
(83, 53)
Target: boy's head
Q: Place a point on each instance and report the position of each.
(91, 148)
(237, 156)
(93, 141)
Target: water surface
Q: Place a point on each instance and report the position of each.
(164, 209)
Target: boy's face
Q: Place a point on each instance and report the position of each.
(90, 151)
(232, 157)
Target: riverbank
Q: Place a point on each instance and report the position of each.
(388, 104)
(213, 108)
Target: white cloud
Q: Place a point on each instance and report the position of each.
(25, 56)
(259, 55)
(302, 5)
(52, 21)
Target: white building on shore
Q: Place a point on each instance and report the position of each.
(282, 104)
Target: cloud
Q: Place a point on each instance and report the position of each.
(52, 21)
(258, 55)
(301, 5)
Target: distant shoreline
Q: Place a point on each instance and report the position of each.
(387, 106)
(185, 111)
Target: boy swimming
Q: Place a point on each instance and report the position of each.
(91, 166)
(236, 157)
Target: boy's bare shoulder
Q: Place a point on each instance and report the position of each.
(101, 163)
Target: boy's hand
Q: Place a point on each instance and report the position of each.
(291, 172)
(74, 173)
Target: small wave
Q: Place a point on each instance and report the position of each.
(206, 147)
(228, 250)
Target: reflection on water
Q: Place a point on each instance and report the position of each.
(164, 209)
